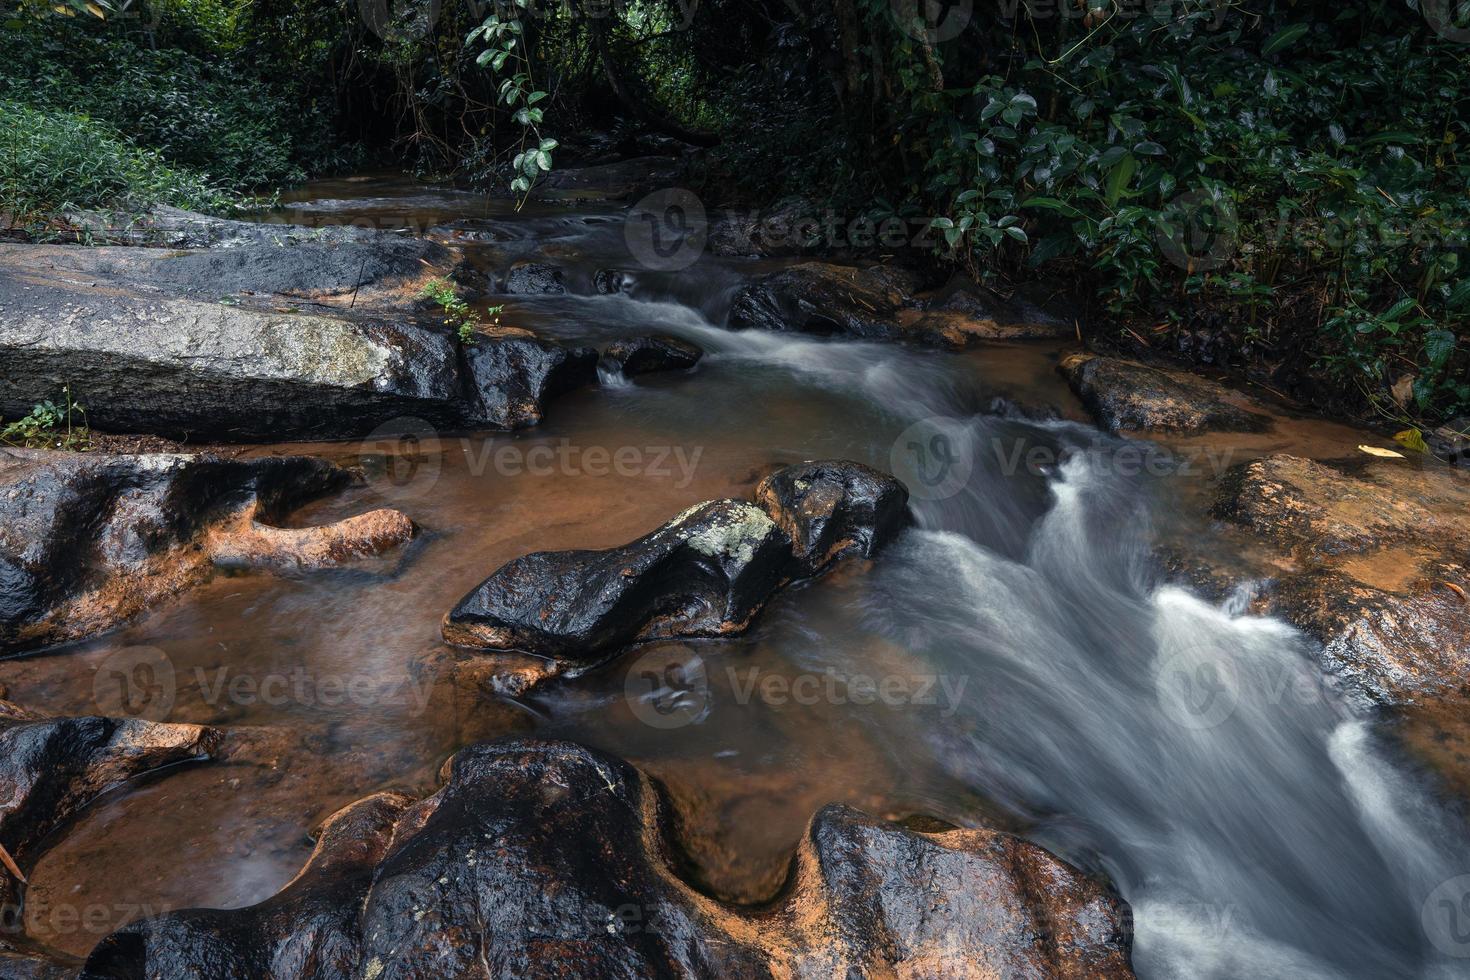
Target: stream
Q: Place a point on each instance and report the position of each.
(1011, 661)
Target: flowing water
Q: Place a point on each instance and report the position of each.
(1013, 660)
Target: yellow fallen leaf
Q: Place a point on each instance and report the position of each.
(1411, 439)
(96, 11)
(1387, 453)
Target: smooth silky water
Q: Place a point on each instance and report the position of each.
(1012, 661)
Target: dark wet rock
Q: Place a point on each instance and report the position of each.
(512, 374)
(833, 510)
(1128, 396)
(51, 769)
(611, 281)
(546, 858)
(650, 353)
(171, 227)
(1021, 411)
(1374, 561)
(706, 573)
(184, 367)
(534, 279)
(818, 297)
(88, 541)
(311, 928)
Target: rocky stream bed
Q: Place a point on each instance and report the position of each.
(766, 617)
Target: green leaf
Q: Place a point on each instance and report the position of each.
(1052, 204)
(1284, 38)
(1016, 233)
(1438, 346)
(1119, 177)
(1398, 309)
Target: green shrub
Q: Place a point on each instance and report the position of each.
(57, 161)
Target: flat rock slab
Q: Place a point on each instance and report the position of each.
(546, 858)
(1127, 396)
(1376, 565)
(187, 367)
(706, 573)
(88, 541)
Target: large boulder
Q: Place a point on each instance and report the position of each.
(51, 769)
(1373, 559)
(512, 374)
(534, 279)
(157, 351)
(549, 859)
(706, 573)
(650, 353)
(1127, 396)
(88, 541)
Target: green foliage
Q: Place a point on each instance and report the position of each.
(505, 56)
(55, 161)
(459, 315)
(1287, 179)
(50, 426)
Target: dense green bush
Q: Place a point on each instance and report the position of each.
(53, 161)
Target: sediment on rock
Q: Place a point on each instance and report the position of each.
(87, 541)
(1374, 563)
(1127, 396)
(706, 573)
(572, 846)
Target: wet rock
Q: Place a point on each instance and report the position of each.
(181, 366)
(540, 858)
(790, 226)
(171, 227)
(311, 928)
(1373, 561)
(650, 353)
(534, 279)
(613, 180)
(818, 297)
(513, 374)
(833, 510)
(610, 281)
(706, 573)
(88, 541)
(51, 769)
(1125, 395)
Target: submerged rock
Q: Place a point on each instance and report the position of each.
(704, 574)
(173, 360)
(1376, 560)
(651, 352)
(534, 279)
(51, 769)
(88, 541)
(546, 858)
(1125, 395)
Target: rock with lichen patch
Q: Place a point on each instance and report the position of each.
(706, 573)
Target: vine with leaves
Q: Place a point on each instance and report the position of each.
(506, 55)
